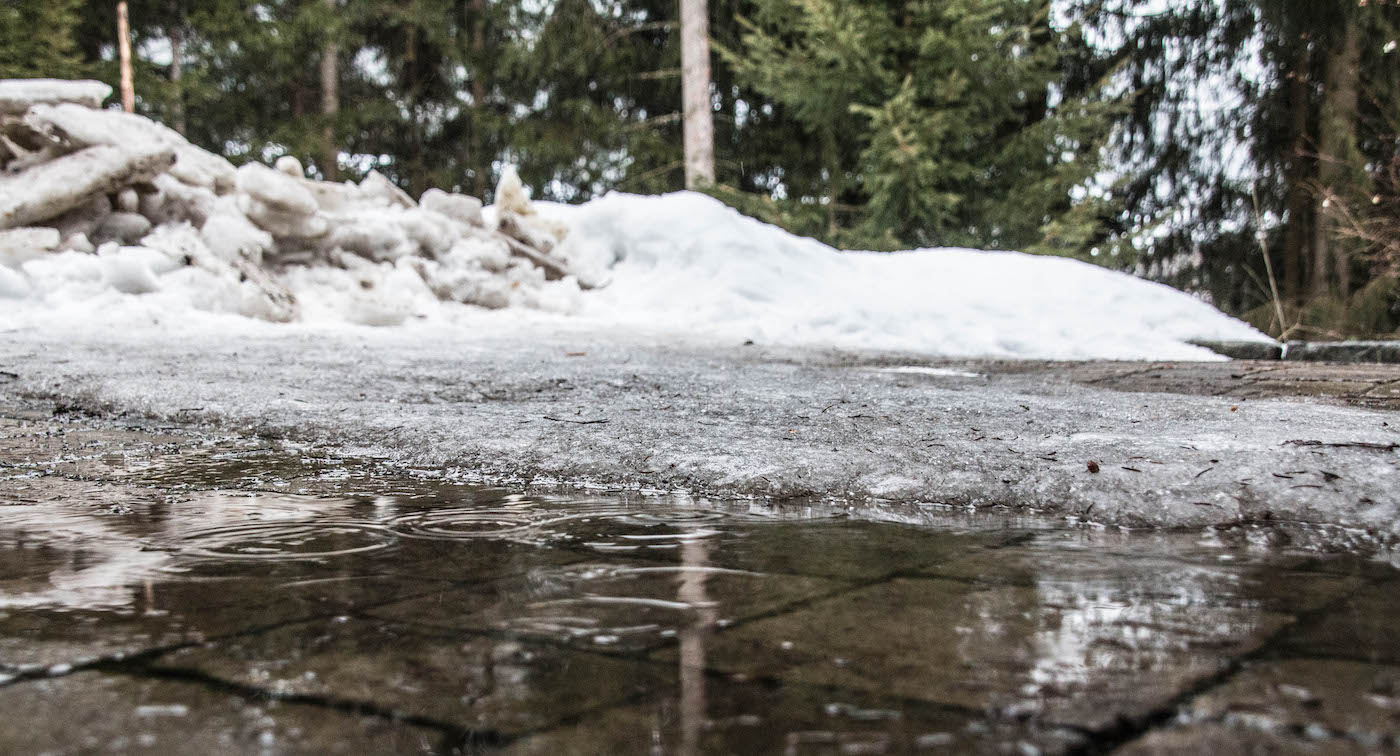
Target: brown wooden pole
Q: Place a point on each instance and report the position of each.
(330, 105)
(695, 93)
(124, 51)
(477, 157)
(177, 68)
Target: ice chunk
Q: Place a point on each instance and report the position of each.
(123, 227)
(458, 207)
(175, 201)
(20, 245)
(511, 196)
(85, 218)
(430, 231)
(78, 243)
(374, 236)
(82, 127)
(231, 236)
(48, 190)
(289, 165)
(276, 190)
(336, 197)
(130, 270)
(283, 224)
(19, 95)
(377, 186)
(128, 201)
(488, 254)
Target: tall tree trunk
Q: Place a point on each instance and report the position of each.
(695, 92)
(330, 104)
(1296, 236)
(128, 88)
(1335, 169)
(1042, 35)
(177, 72)
(478, 73)
(415, 167)
(1348, 108)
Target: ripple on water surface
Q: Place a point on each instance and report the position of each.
(602, 624)
(316, 539)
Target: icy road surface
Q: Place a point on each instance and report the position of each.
(546, 405)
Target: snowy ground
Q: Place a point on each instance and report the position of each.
(687, 265)
(708, 362)
(543, 402)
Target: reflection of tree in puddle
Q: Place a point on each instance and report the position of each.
(1080, 628)
(693, 637)
(94, 550)
(92, 558)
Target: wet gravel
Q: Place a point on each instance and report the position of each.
(1102, 443)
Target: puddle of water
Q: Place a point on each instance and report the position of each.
(591, 624)
(935, 372)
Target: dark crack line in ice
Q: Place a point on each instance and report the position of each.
(1313, 732)
(455, 733)
(146, 655)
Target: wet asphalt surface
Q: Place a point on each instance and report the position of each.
(349, 542)
(165, 589)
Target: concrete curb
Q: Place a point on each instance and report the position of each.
(1244, 350)
(1347, 352)
(1384, 352)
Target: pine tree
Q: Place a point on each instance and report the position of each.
(38, 39)
(1239, 140)
(933, 121)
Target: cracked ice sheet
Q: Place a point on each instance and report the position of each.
(520, 400)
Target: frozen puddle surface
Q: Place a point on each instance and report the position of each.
(217, 598)
(936, 372)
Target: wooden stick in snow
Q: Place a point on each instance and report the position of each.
(124, 51)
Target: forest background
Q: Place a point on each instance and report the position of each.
(1244, 150)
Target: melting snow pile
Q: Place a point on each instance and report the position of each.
(686, 262)
(98, 204)
(105, 215)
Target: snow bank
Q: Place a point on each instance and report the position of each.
(97, 205)
(110, 220)
(686, 262)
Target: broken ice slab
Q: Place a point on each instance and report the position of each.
(51, 189)
(81, 127)
(18, 95)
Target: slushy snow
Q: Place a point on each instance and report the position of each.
(688, 265)
(687, 262)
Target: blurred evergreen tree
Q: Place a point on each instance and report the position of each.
(1169, 140)
(1240, 130)
(582, 95)
(247, 85)
(38, 39)
(950, 123)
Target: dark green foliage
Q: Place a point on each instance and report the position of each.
(38, 39)
(1092, 128)
(1221, 148)
(960, 122)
